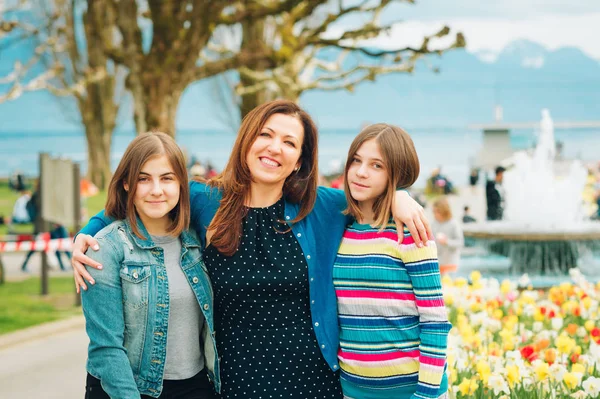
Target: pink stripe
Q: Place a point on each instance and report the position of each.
(408, 240)
(378, 357)
(371, 235)
(432, 361)
(433, 303)
(375, 294)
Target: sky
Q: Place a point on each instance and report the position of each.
(488, 25)
(491, 25)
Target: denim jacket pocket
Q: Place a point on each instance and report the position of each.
(135, 280)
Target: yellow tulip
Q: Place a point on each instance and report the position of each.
(570, 380)
(484, 371)
(512, 374)
(578, 368)
(589, 325)
(468, 386)
(498, 314)
(542, 371)
(565, 344)
(475, 276)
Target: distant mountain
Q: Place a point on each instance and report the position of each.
(524, 78)
(522, 54)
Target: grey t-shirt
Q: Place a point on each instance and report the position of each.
(184, 354)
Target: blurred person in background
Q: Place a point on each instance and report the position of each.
(494, 194)
(448, 236)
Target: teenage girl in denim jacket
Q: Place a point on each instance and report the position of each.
(153, 298)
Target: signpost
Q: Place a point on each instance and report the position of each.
(60, 201)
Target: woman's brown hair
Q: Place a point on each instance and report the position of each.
(120, 205)
(443, 206)
(401, 163)
(234, 181)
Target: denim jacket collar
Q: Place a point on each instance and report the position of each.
(187, 239)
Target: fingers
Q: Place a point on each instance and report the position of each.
(421, 232)
(79, 260)
(399, 230)
(79, 283)
(92, 242)
(414, 232)
(86, 260)
(83, 242)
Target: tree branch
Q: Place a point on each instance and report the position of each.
(253, 10)
(236, 61)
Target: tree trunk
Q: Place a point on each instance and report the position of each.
(253, 41)
(162, 101)
(98, 148)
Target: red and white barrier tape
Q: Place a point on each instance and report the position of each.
(58, 244)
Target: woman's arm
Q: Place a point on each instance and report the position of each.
(105, 326)
(422, 267)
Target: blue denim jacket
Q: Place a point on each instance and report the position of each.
(319, 235)
(127, 311)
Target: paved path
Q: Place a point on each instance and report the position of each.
(48, 368)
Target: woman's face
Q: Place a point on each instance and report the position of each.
(275, 154)
(157, 191)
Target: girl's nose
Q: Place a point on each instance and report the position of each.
(362, 171)
(156, 188)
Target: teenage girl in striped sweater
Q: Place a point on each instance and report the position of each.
(393, 322)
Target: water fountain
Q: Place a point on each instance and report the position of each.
(544, 230)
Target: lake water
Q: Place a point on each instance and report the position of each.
(453, 149)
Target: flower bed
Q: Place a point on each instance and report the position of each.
(511, 342)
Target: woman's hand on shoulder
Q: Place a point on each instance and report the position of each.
(407, 212)
(80, 260)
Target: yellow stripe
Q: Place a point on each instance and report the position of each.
(367, 248)
(399, 369)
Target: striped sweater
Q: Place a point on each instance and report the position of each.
(393, 322)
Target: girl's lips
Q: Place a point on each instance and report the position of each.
(359, 185)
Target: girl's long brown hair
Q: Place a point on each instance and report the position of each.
(120, 203)
(401, 163)
(234, 181)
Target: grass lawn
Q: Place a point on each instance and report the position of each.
(21, 304)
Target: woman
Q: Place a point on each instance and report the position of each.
(261, 220)
(393, 322)
(448, 236)
(147, 308)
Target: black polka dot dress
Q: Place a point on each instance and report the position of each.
(262, 315)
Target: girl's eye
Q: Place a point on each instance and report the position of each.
(265, 134)
(377, 166)
(355, 160)
(142, 179)
(168, 178)
(291, 143)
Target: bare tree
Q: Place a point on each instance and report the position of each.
(88, 75)
(180, 32)
(16, 29)
(300, 37)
